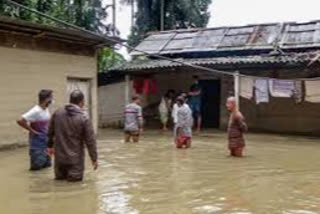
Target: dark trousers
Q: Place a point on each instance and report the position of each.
(69, 172)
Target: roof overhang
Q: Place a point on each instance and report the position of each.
(158, 66)
(11, 25)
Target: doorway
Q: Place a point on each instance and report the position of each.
(84, 85)
(210, 103)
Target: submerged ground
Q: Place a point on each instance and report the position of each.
(281, 174)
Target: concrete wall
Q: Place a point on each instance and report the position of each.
(111, 101)
(25, 72)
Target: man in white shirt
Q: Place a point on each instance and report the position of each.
(36, 121)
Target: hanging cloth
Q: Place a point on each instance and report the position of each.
(153, 87)
(150, 86)
(281, 88)
(246, 87)
(312, 91)
(298, 91)
(261, 91)
(138, 85)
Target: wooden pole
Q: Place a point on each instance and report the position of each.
(132, 13)
(114, 17)
(127, 89)
(237, 88)
(162, 15)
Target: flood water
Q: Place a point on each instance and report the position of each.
(280, 174)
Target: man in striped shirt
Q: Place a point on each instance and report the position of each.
(133, 121)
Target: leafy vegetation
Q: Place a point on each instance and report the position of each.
(178, 14)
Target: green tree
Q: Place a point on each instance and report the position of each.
(178, 14)
(108, 58)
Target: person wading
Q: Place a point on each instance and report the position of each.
(184, 124)
(133, 120)
(70, 131)
(165, 108)
(236, 128)
(194, 102)
(36, 121)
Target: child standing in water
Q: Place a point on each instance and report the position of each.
(165, 108)
(184, 124)
(236, 128)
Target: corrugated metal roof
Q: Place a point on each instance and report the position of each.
(152, 64)
(253, 37)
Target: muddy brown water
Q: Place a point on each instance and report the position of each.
(280, 174)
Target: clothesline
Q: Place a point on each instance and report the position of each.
(144, 52)
(262, 89)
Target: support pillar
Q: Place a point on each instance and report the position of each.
(237, 88)
(127, 89)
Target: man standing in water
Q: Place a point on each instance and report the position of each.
(195, 102)
(236, 128)
(36, 121)
(184, 124)
(70, 131)
(133, 120)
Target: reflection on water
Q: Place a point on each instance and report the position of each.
(280, 174)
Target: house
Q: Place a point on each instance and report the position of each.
(35, 57)
(277, 50)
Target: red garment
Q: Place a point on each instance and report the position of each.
(150, 86)
(138, 85)
(153, 87)
(236, 150)
(182, 141)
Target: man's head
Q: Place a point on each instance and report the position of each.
(231, 104)
(77, 98)
(180, 101)
(170, 93)
(45, 97)
(136, 99)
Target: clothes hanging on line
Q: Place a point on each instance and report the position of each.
(261, 91)
(298, 91)
(138, 85)
(150, 86)
(312, 91)
(145, 86)
(246, 87)
(281, 88)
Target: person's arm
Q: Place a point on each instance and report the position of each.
(91, 143)
(242, 124)
(24, 121)
(174, 113)
(24, 124)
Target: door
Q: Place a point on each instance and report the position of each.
(84, 85)
(210, 103)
